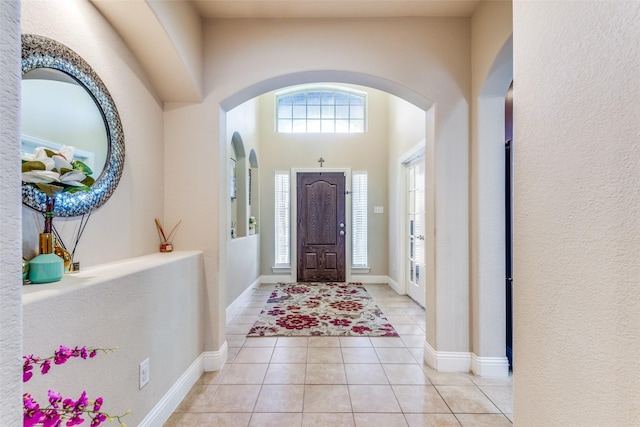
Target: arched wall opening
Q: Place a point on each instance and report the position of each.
(238, 186)
(253, 191)
(232, 103)
(408, 60)
(412, 98)
(306, 77)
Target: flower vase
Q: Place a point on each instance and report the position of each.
(46, 267)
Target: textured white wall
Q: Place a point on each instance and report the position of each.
(492, 62)
(243, 265)
(184, 27)
(123, 227)
(577, 213)
(150, 307)
(243, 253)
(407, 128)
(10, 200)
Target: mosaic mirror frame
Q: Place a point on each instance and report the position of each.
(42, 52)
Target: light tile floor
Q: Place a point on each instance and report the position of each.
(346, 381)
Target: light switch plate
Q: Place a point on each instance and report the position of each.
(144, 373)
(378, 209)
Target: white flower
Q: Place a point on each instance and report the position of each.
(67, 152)
(72, 178)
(40, 176)
(46, 167)
(40, 155)
(61, 163)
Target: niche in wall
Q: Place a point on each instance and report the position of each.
(254, 193)
(238, 186)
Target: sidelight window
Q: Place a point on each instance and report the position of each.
(282, 232)
(359, 220)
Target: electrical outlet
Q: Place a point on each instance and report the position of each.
(144, 373)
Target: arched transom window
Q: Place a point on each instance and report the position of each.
(322, 109)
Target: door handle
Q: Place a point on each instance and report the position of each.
(342, 232)
(342, 225)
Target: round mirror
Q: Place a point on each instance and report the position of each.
(57, 111)
(64, 103)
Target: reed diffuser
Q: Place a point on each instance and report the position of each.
(166, 241)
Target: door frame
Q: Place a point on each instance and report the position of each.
(414, 153)
(293, 218)
(508, 136)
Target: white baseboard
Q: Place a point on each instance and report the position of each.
(447, 361)
(207, 361)
(366, 278)
(214, 360)
(233, 308)
(489, 366)
(276, 278)
(395, 286)
(361, 278)
(170, 401)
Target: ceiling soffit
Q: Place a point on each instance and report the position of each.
(177, 77)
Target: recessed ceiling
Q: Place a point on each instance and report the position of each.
(332, 8)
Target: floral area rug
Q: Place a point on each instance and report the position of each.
(321, 309)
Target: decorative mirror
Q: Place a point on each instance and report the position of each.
(64, 103)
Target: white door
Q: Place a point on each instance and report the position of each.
(415, 231)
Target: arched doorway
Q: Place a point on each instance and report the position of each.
(407, 97)
(446, 190)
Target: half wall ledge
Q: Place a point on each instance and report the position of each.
(92, 276)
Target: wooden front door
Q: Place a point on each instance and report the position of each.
(321, 227)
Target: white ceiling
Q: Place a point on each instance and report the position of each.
(331, 8)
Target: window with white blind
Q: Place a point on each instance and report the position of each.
(282, 233)
(359, 220)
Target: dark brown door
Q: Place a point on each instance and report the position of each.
(321, 229)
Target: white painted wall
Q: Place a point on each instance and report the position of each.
(243, 265)
(492, 62)
(150, 307)
(407, 129)
(123, 227)
(243, 252)
(577, 213)
(10, 201)
(183, 26)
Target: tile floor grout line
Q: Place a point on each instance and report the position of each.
(490, 399)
